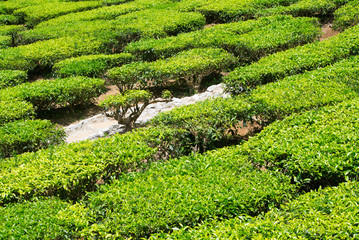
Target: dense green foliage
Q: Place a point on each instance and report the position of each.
(190, 66)
(90, 65)
(10, 78)
(248, 40)
(324, 214)
(293, 61)
(28, 135)
(15, 110)
(184, 192)
(61, 92)
(347, 16)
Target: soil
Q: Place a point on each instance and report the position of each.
(328, 31)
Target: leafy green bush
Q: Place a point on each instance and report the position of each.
(10, 78)
(190, 66)
(70, 170)
(8, 19)
(208, 122)
(293, 61)
(315, 148)
(41, 12)
(47, 94)
(28, 135)
(123, 29)
(229, 11)
(46, 53)
(11, 29)
(249, 40)
(5, 42)
(45, 219)
(347, 16)
(184, 192)
(320, 8)
(15, 110)
(324, 214)
(90, 65)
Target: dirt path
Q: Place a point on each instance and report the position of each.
(328, 32)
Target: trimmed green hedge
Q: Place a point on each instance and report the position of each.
(229, 10)
(126, 28)
(347, 16)
(47, 94)
(293, 61)
(249, 40)
(28, 135)
(319, 8)
(70, 170)
(90, 65)
(184, 192)
(35, 14)
(15, 110)
(45, 219)
(44, 54)
(329, 213)
(10, 78)
(190, 66)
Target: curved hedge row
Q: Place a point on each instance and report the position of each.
(90, 65)
(249, 40)
(9, 78)
(293, 61)
(15, 110)
(28, 135)
(329, 213)
(190, 66)
(347, 16)
(47, 94)
(184, 192)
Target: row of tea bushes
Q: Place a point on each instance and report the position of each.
(184, 192)
(44, 54)
(322, 8)
(293, 61)
(28, 135)
(15, 110)
(35, 14)
(329, 213)
(146, 23)
(10, 78)
(249, 40)
(228, 11)
(61, 92)
(190, 66)
(8, 7)
(347, 16)
(208, 121)
(91, 65)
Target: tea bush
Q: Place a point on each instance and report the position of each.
(324, 214)
(184, 192)
(47, 94)
(248, 40)
(190, 66)
(347, 16)
(90, 65)
(10, 78)
(15, 110)
(293, 61)
(28, 135)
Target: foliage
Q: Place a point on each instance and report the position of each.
(184, 192)
(28, 135)
(45, 219)
(10, 78)
(329, 213)
(293, 61)
(15, 110)
(190, 66)
(347, 15)
(249, 40)
(47, 94)
(90, 65)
